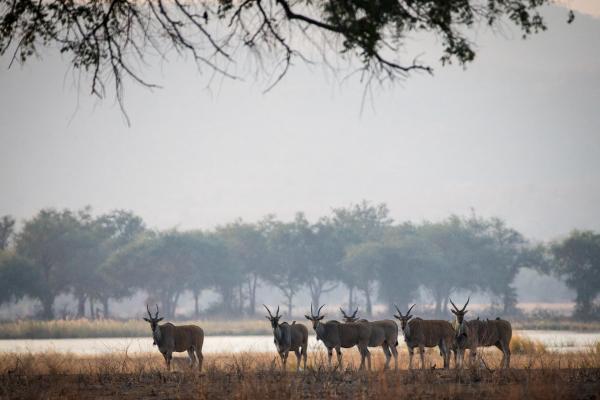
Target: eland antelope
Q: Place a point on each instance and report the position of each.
(476, 333)
(170, 338)
(336, 335)
(384, 333)
(426, 333)
(289, 337)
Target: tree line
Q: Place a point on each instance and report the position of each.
(360, 247)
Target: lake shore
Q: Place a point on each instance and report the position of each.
(84, 328)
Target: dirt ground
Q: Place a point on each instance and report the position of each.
(310, 384)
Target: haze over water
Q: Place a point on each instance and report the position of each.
(514, 136)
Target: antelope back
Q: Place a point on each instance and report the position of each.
(353, 333)
(429, 333)
(299, 334)
(493, 331)
(181, 338)
(383, 331)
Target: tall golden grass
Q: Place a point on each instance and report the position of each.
(85, 328)
(259, 376)
(123, 362)
(524, 345)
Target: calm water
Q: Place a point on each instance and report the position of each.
(554, 340)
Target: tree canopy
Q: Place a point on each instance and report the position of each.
(111, 39)
(112, 256)
(577, 259)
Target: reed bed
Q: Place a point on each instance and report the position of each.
(559, 324)
(85, 328)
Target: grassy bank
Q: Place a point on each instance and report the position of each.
(258, 376)
(562, 324)
(84, 328)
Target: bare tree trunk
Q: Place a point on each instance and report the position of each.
(252, 294)
(81, 299)
(105, 310)
(196, 308)
(241, 299)
(174, 304)
(47, 307)
(92, 312)
(289, 296)
(315, 292)
(438, 306)
(369, 305)
(445, 306)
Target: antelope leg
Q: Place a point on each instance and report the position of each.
(444, 354)
(422, 351)
(168, 357)
(411, 351)
(339, 357)
(388, 355)
(363, 355)
(298, 356)
(395, 354)
(200, 359)
(304, 356)
(191, 356)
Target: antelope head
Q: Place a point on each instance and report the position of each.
(349, 318)
(274, 319)
(403, 318)
(315, 319)
(153, 320)
(459, 312)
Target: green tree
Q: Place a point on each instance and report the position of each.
(577, 260)
(46, 241)
(288, 257)
(224, 273)
(401, 266)
(111, 39)
(247, 246)
(354, 225)
(453, 264)
(7, 227)
(156, 263)
(360, 265)
(96, 239)
(113, 230)
(18, 278)
(325, 253)
(503, 252)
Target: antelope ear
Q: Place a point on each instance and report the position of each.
(307, 317)
(409, 317)
(397, 317)
(321, 317)
(466, 311)
(160, 319)
(453, 312)
(267, 318)
(147, 320)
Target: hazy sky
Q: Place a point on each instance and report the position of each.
(516, 135)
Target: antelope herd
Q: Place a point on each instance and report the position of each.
(417, 333)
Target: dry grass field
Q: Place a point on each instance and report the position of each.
(535, 374)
